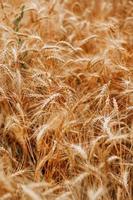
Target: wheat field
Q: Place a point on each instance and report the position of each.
(66, 99)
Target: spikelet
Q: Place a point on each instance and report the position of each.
(78, 149)
(115, 105)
